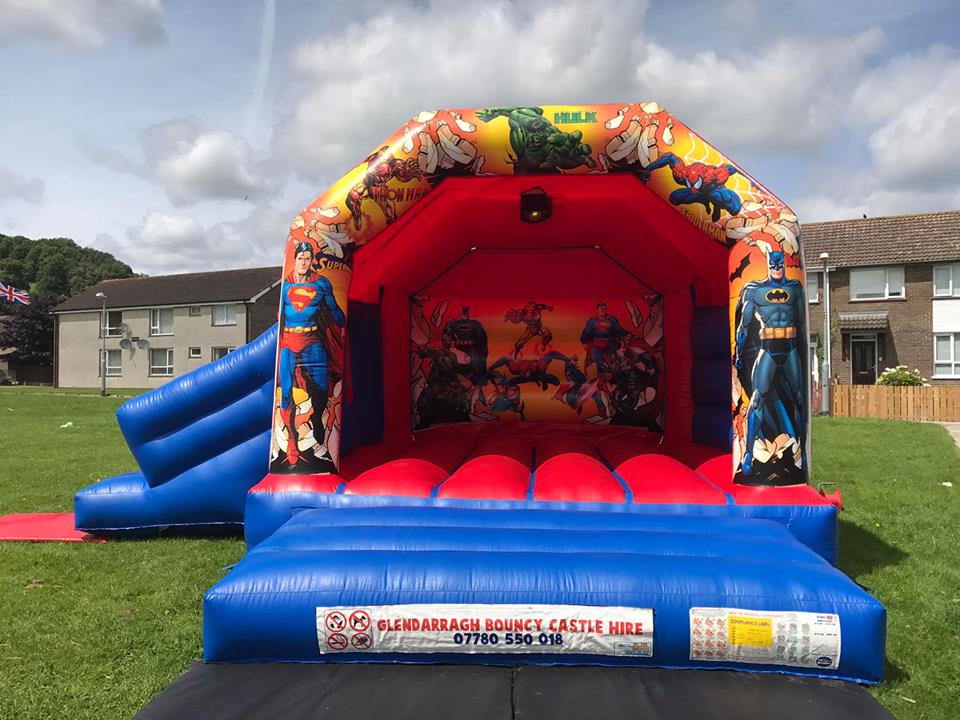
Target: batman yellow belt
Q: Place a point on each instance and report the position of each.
(777, 333)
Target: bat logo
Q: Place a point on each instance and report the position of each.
(301, 296)
(777, 296)
(744, 262)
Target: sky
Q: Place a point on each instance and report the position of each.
(182, 135)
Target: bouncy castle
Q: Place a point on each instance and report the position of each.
(538, 393)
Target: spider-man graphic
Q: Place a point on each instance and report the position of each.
(534, 370)
(382, 167)
(703, 184)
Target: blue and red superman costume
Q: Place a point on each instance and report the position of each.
(600, 337)
(310, 348)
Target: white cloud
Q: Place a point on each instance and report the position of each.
(87, 23)
(780, 95)
(359, 85)
(194, 164)
(908, 109)
(784, 97)
(18, 187)
(169, 243)
(917, 144)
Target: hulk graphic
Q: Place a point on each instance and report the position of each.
(539, 147)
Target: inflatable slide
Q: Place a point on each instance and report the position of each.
(537, 394)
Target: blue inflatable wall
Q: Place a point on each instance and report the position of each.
(384, 571)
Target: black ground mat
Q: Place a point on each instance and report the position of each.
(289, 691)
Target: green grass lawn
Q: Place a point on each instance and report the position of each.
(95, 631)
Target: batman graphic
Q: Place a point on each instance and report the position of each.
(770, 359)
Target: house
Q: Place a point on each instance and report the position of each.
(160, 327)
(894, 294)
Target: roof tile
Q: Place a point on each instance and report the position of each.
(893, 240)
(186, 289)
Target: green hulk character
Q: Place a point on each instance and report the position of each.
(539, 146)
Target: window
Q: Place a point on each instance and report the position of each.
(193, 353)
(114, 321)
(813, 287)
(946, 281)
(161, 321)
(876, 283)
(221, 352)
(113, 363)
(195, 310)
(946, 355)
(161, 361)
(224, 314)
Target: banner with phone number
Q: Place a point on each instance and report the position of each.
(465, 628)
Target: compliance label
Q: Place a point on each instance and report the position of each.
(798, 639)
(467, 628)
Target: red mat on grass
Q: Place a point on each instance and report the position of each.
(42, 527)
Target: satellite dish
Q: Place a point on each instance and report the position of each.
(126, 344)
(143, 344)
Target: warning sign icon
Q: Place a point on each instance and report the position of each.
(359, 620)
(361, 641)
(337, 641)
(335, 621)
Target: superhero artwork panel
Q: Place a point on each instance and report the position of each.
(770, 391)
(522, 359)
(306, 424)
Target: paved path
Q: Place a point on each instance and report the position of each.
(954, 429)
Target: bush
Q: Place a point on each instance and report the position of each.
(902, 375)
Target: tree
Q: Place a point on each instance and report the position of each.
(29, 330)
(54, 266)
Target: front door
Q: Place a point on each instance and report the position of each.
(863, 354)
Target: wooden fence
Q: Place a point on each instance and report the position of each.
(937, 403)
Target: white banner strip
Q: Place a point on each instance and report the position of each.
(466, 628)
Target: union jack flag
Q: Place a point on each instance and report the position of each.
(9, 292)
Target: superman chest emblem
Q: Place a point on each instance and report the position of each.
(300, 296)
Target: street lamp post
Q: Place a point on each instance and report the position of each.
(825, 377)
(103, 344)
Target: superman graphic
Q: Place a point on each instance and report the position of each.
(602, 335)
(309, 343)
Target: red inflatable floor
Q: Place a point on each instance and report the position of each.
(544, 462)
(42, 527)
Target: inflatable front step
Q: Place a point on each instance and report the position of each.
(379, 584)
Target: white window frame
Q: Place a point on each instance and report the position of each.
(953, 288)
(195, 311)
(813, 299)
(213, 352)
(111, 331)
(953, 362)
(155, 322)
(886, 288)
(226, 308)
(165, 370)
(112, 370)
(194, 355)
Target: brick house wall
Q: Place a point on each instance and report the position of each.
(909, 337)
(262, 314)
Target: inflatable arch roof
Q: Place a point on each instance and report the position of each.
(532, 215)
